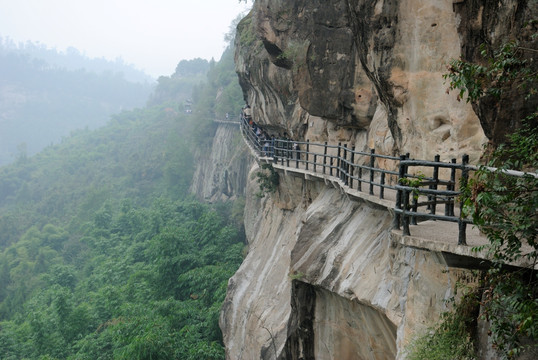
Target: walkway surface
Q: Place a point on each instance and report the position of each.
(431, 235)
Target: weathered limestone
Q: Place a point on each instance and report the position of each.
(323, 278)
(371, 294)
(365, 72)
(222, 170)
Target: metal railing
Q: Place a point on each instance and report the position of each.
(417, 197)
(356, 169)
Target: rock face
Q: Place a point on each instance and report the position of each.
(222, 170)
(365, 73)
(324, 277)
(488, 22)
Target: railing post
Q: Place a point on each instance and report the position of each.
(343, 174)
(449, 206)
(359, 181)
(282, 152)
(297, 155)
(338, 161)
(315, 160)
(288, 152)
(274, 142)
(462, 226)
(325, 157)
(432, 199)
(414, 208)
(307, 151)
(382, 187)
(352, 167)
(372, 163)
(405, 217)
(398, 205)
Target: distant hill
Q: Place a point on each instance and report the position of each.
(138, 154)
(104, 254)
(72, 59)
(45, 95)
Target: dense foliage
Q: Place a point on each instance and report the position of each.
(178, 86)
(103, 254)
(139, 154)
(135, 283)
(506, 67)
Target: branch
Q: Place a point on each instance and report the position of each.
(528, 49)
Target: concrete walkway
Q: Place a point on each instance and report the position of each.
(438, 236)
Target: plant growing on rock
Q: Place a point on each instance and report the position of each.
(295, 53)
(247, 32)
(507, 67)
(268, 180)
(414, 183)
(451, 338)
(501, 84)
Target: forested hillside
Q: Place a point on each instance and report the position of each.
(103, 253)
(44, 95)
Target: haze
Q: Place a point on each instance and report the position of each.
(153, 35)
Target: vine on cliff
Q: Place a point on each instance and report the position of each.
(504, 207)
(506, 67)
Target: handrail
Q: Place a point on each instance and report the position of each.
(416, 196)
(505, 171)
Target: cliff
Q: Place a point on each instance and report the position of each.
(222, 169)
(325, 277)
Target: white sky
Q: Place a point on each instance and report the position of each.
(153, 35)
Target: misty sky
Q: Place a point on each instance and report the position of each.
(153, 35)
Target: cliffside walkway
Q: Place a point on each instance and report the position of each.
(418, 192)
(227, 122)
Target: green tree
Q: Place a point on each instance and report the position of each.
(103, 253)
(503, 204)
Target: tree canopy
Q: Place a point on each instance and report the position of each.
(103, 252)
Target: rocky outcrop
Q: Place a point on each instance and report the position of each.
(324, 277)
(370, 73)
(222, 170)
(367, 73)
